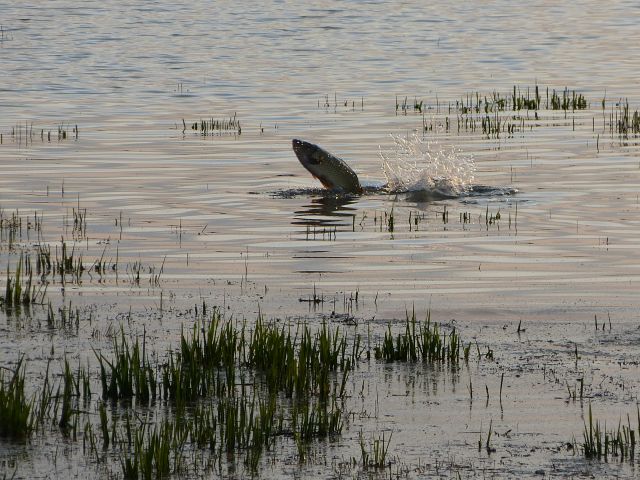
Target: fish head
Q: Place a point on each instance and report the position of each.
(310, 155)
(332, 172)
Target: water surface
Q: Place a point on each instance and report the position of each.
(206, 218)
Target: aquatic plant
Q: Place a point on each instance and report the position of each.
(156, 451)
(375, 454)
(68, 264)
(626, 123)
(600, 443)
(568, 101)
(68, 382)
(16, 419)
(420, 341)
(18, 294)
(129, 374)
(211, 126)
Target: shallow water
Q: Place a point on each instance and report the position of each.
(234, 220)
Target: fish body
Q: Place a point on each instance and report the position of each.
(332, 171)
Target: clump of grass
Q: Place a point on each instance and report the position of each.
(129, 374)
(375, 454)
(43, 261)
(287, 364)
(206, 362)
(520, 101)
(67, 318)
(68, 264)
(156, 452)
(626, 122)
(598, 443)
(421, 341)
(487, 444)
(207, 127)
(14, 227)
(67, 393)
(303, 363)
(568, 101)
(389, 221)
(316, 420)
(24, 133)
(16, 419)
(204, 427)
(20, 290)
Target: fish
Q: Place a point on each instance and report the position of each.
(333, 172)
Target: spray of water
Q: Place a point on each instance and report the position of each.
(414, 164)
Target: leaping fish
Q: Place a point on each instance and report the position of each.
(332, 171)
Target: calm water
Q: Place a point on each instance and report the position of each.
(234, 219)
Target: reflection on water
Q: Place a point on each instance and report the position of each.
(327, 210)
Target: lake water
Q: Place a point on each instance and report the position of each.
(232, 219)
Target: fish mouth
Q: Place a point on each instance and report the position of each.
(300, 147)
(303, 151)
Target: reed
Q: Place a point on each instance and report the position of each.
(600, 443)
(420, 341)
(67, 393)
(301, 363)
(156, 452)
(568, 100)
(68, 264)
(20, 289)
(16, 412)
(129, 374)
(374, 455)
(211, 126)
(626, 122)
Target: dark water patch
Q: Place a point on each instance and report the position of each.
(376, 187)
(488, 190)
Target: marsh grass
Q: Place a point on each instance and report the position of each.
(211, 126)
(24, 134)
(68, 264)
(570, 100)
(15, 227)
(16, 412)
(626, 122)
(421, 342)
(225, 396)
(600, 443)
(374, 455)
(231, 390)
(129, 374)
(508, 114)
(156, 451)
(20, 289)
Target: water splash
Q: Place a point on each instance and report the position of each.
(415, 164)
